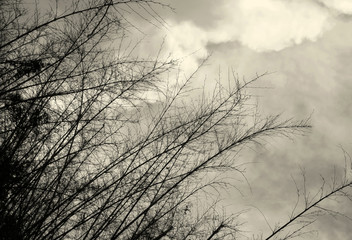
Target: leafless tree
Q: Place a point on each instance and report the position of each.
(84, 155)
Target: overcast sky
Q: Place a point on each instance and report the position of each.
(308, 46)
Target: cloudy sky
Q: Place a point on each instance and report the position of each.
(307, 45)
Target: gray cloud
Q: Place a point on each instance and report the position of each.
(342, 6)
(312, 75)
(309, 77)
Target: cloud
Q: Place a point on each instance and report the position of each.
(308, 46)
(261, 26)
(314, 76)
(343, 6)
(187, 42)
(266, 25)
(275, 25)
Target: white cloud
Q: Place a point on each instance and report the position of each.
(276, 24)
(187, 42)
(262, 26)
(265, 25)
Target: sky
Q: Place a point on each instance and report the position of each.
(306, 45)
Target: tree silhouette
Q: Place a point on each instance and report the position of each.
(84, 155)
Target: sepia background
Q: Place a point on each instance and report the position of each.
(304, 50)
